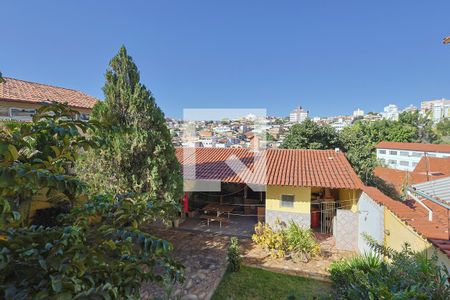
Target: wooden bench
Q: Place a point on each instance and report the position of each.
(213, 218)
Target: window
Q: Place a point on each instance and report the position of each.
(404, 153)
(404, 163)
(24, 114)
(417, 154)
(287, 200)
(392, 162)
(431, 154)
(414, 164)
(382, 151)
(392, 152)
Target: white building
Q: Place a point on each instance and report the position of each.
(440, 109)
(405, 156)
(358, 113)
(340, 124)
(390, 112)
(298, 115)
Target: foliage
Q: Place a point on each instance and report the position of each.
(96, 251)
(359, 150)
(443, 129)
(234, 255)
(301, 242)
(291, 240)
(37, 159)
(310, 135)
(137, 156)
(407, 275)
(254, 283)
(423, 125)
(1, 78)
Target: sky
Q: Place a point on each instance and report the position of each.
(330, 57)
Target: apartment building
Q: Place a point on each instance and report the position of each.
(298, 115)
(391, 112)
(20, 99)
(406, 156)
(440, 109)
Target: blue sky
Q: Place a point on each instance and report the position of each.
(328, 56)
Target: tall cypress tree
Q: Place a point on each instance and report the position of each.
(138, 157)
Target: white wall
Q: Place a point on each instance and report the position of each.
(412, 157)
(371, 221)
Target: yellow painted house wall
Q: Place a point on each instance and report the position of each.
(398, 232)
(349, 199)
(302, 198)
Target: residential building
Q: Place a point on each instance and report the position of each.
(296, 183)
(390, 112)
(410, 108)
(298, 115)
(406, 156)
(20, 99)
(358, 113)
(422, 221)
(439, 108)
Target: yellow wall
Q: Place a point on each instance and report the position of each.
(349, 199)
(302, 198)
(400, 232)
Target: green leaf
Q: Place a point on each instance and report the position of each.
(56, 283)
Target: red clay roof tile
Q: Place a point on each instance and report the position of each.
(31, 92)
(444, 148)
(319, 168)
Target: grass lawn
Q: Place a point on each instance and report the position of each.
(252, 283)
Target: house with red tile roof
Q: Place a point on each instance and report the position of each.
(304, 186)
(422, 222)
(406, 156)
(428, 169)
(19, 99)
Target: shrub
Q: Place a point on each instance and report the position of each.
(407, 275)
(301, 242)
(292, 240)
(234, 256)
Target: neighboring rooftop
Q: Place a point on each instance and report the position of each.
(428, 169)
(416, 216)
(31, 92)
(443, 148)
(308, 168)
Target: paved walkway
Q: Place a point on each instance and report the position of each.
(203, 255)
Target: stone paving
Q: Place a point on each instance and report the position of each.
(204, 257)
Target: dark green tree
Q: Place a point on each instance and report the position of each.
(138, 156)
(310, 135)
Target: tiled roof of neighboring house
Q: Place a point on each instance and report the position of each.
(31, 92)
(398, 177)
(309, 168)
(437, 168)
(444, 148)
(416, 216)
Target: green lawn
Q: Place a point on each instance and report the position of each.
(252, 283)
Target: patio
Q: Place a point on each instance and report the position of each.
(241, 226)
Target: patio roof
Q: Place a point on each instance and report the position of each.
(285, 167)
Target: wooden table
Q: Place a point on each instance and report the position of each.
(218, 208)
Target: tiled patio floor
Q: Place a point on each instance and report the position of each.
(240, 226)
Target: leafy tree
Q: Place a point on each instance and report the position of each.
(97, 250)
(443, 129)
(422, 124)
(310, 135)
(359, 150)
(138, 156)
(1, 78)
